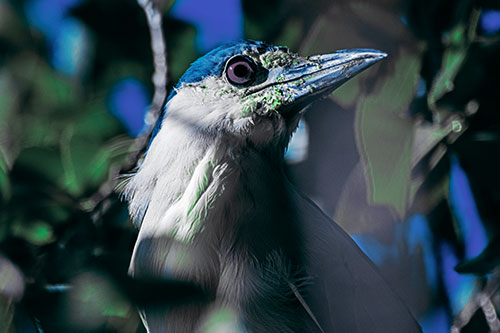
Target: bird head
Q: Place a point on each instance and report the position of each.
(256, 93)
(240, 99)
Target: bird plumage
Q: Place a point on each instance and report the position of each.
(215, 208)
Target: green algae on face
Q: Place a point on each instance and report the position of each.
(271, 99)
(249, 107)
(226, 91)
(266, 101)
(277, 59)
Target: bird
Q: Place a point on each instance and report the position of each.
(214, 206)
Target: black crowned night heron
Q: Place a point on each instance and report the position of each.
(215, 208)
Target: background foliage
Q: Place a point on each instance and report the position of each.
(405, 156)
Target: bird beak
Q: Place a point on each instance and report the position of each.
(309, 78)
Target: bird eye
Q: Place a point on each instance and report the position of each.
(240, 71)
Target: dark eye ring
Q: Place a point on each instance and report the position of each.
(240, 71)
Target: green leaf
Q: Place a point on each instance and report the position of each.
(348, 93)
(181, 52)
(344, 26)
(42, 161)
(96, 123)
(453, 59)
(5, 188)
(163, 5)
(291, 33)
(12, 27)
(7, 315)
(37, 233)
(385, 137)
(93, 298)
(50, 90)
(85, 162)
(457, 45)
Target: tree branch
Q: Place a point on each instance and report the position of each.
(481, 300)
(98, 203)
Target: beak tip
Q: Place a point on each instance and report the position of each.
(376, 55)
(369, 56)
(372, 57)
(383, 55)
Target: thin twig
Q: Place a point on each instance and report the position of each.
(481, 300)
(98, 203)
(159, 49)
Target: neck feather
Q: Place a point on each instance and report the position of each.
(192, 183)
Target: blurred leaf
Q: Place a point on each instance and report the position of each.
(119, 70)
(385, 137)
(11, 26)
(348, 93)
(429, 190)
(5, 189)
(5, 94)
(181, 51)
(9, 99)
(96, 123)
(44, 131)
(291, 33)
(11, 280)
(85, 162)
(485, 262)
(265, 19)
(429, 147)
(36, 197)
(42, 161)
(37, 233)
(6, 315)
(50, 90)
(458, 41)
(163, 5)
(375, 27)
(86, 120)
(121, 32)
(452, 61)
(42, 111)
(94, 298)
(334, 29)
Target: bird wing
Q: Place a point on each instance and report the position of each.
(347, 293)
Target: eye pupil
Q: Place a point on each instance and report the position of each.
(240, 71)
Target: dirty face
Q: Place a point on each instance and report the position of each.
(259, 91)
